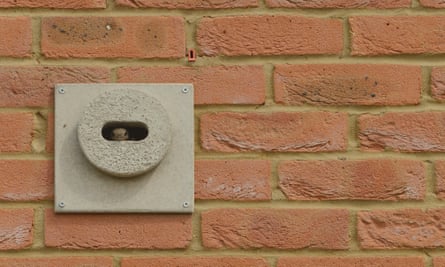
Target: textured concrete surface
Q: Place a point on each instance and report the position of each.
(125, 158)
(93, 183)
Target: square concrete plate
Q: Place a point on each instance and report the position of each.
(81, 187)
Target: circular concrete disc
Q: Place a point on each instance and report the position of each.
(124, 158)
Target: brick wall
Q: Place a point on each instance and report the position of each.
(320, 130)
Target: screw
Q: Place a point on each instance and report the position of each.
(185, 204)
(61, 204)
(185, 90)
(61, 90)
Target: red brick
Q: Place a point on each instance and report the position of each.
(339, 3)
(16, 228)
(78, 4)
(275, 228)
(113, 37)
(50, 133)
(379, 179)
(376, 35)
(16, 36)
(405, 132)
(26, 180)
(194, 262)
(438, 83)
(408, 228)
(278, 132)
(188, 4)
(213, 85)
(34, 86)
(233, 179)
(269, 35)
(439, 261)
(17, 136)
(112, 231)
(347, 84)
(406, 261)
(57, 262)
(439, 167)
(432, 3)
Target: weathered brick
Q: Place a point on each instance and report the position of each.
(439, 261)
(432, 3)
(188, 4)
(16, 228)
(406, 132)
(275, 228)
(65, 4)
(339, 3)
(378, 35)
(233, 179)
(16, 33)
(57, 262)
(407, 261)
(194, 262)
(278, 132)
(213, 85)
(113, 37)
(438, 83)
(17, 136)
(112, 231)
(26, 180)
(380, 179)
(347, 84)
(34, 86)
(408, 228)
(439, 168)
(269, 35)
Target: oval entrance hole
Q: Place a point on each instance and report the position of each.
(125, 131)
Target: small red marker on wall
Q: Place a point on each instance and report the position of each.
(191, 55)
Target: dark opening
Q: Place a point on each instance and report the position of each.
(125, 131)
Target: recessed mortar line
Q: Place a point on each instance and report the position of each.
(196, 243)
(38, 143)
(353, 241)
(36, 37)
(415, 3)
(350, 204)
(273, 262)
(353, 142)
(351, 110)
(277, 193)
(269, 77)
(405, 60)
(190, 37)
(431, 180)
(428, 258)
(111, 6)
(26, 156)
(114, 75)
(117, 261)
(113, 10)
(353, 155)
(38, 225)
(346, 37)
(426, 85)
